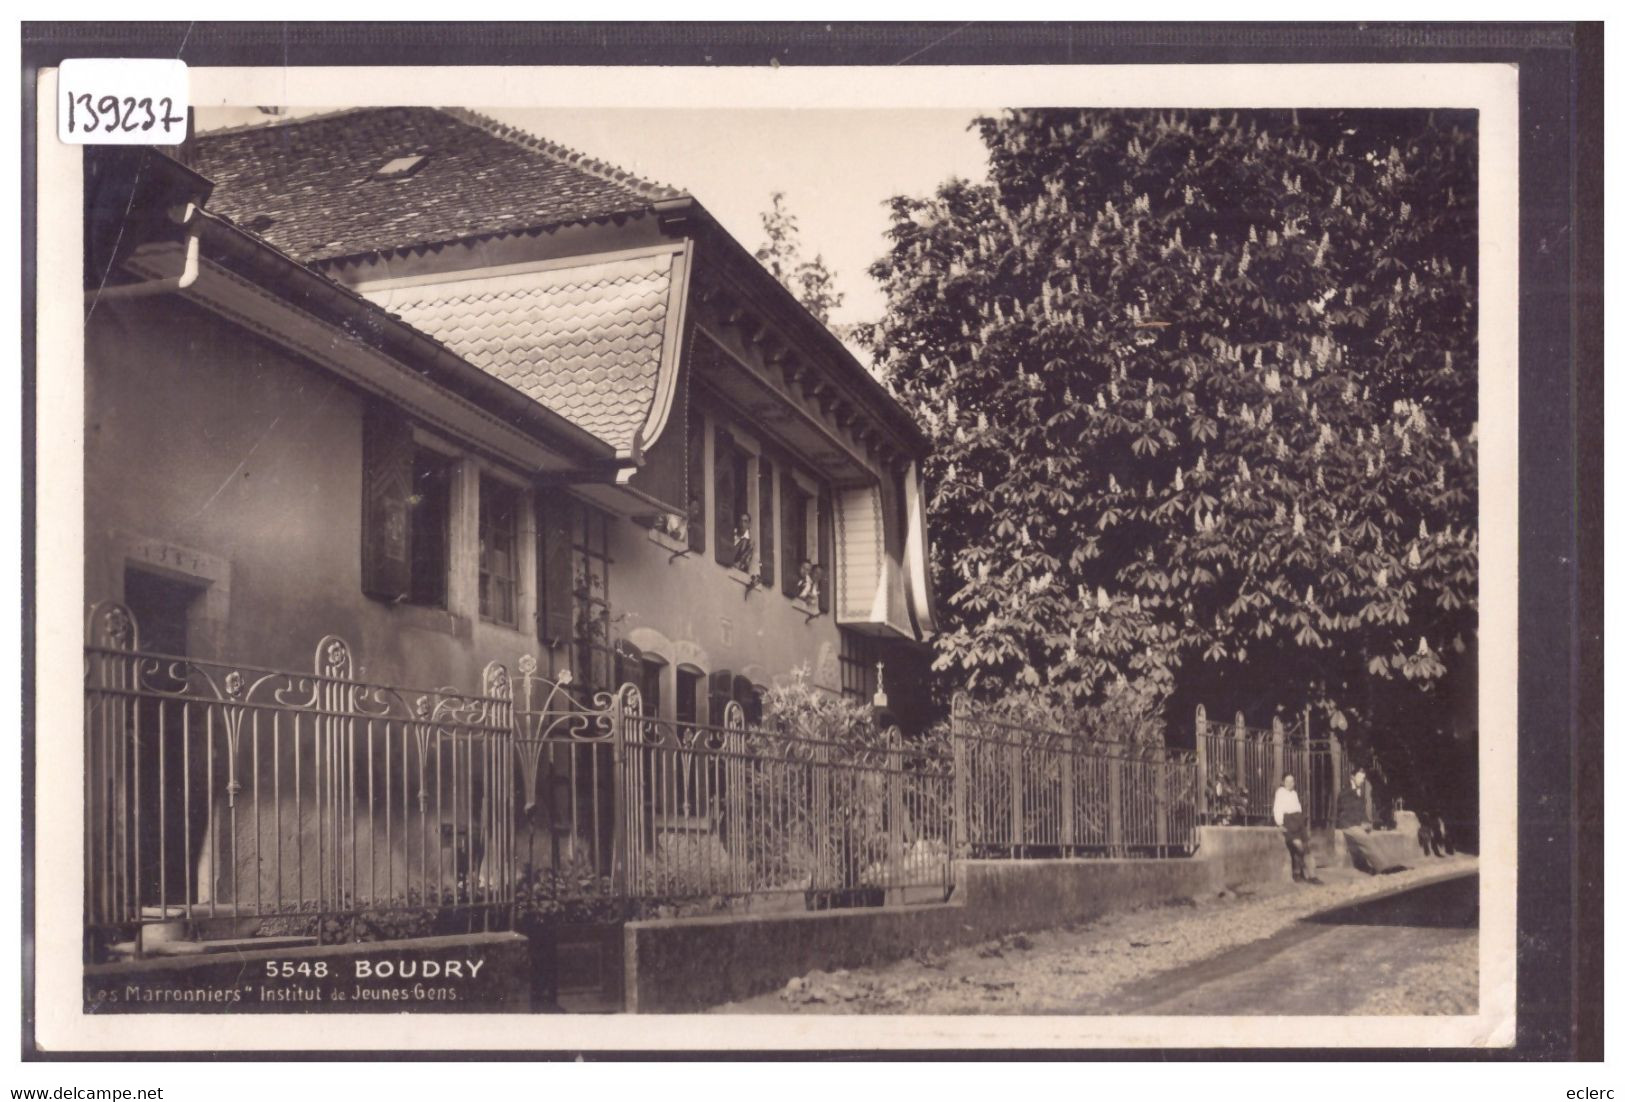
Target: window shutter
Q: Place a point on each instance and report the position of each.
(724, 505)
(826, 549)
(386, 518)
(555, 615)
(764, 523)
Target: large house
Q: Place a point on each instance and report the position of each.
(452, 394)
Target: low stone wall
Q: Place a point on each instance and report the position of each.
(685, 964)
(1397, 848)
(474, 973)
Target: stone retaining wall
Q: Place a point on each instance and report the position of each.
(686, 964)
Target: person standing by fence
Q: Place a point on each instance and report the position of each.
(1294, 825)
(1353, 821)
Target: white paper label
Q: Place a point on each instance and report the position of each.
(122, 101)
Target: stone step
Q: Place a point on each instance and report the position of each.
(195, 911)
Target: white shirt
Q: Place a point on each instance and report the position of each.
(1286, 802)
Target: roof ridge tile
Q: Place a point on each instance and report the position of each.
(649, 189)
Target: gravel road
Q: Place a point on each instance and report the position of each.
(1225, 954)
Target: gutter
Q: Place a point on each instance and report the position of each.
(188, 216)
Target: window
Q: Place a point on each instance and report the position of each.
(574, 610)
(430, 509)
(651, 670)
(593, 665)
(735, 534)
(499, 552)
(798, 559)
(405, 512)
(722, 691)
(859, 653)
(399, 168)
(688, 694)
(808, 530)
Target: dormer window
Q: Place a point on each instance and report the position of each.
(400, 167)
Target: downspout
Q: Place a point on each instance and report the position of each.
(186, 216)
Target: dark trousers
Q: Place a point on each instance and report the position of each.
(1295, 826)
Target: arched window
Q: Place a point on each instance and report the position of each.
(651, 672)
(754, 705)
(687, 704)
(744, 693)
(722, 691)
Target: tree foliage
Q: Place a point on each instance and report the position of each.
(1202, 394)
(810, 281)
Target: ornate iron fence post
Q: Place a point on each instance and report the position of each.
(959, 829)
(1067, 762)
(1159, 762)
(1114, 801)
(334, 668)
(1016, 760)
(1201, 763)
(627, 702)
(895, 834)
(502, 874)
(733, 797)
(1336, 746)
(826, 851)
(1242, 757)
(1277, 751)
(111, 895)
(1307, 781)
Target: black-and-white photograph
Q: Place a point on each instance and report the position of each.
(900, 561)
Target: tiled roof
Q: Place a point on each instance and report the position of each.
(306, 185)
(584, 341)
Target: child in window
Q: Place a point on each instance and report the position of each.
(743, 549)
(807, 583)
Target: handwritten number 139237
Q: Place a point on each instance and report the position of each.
(127, 114)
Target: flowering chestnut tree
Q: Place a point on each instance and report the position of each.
(1202, 390)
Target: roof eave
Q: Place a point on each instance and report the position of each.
(789, 310)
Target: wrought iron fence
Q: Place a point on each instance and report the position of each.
(235, 792)
(733, 810)
(1026, 791)
(570, 855)
(1242, 766)
(623, 808)
(250, 794)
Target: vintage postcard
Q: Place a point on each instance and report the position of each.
(1026, 556)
